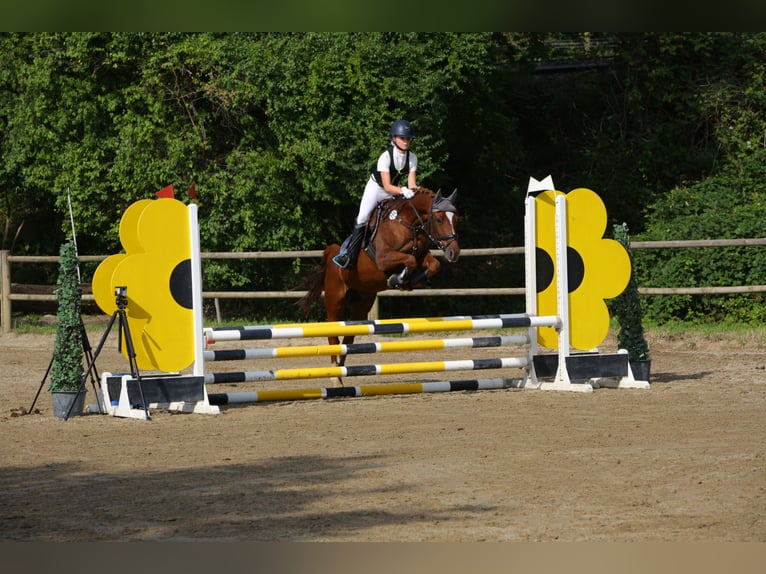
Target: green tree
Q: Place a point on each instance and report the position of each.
(25, 149)
(67, 365)
(728, 205)
(278, 131)
(627, 307)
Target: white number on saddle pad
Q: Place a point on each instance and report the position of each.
(393, 215)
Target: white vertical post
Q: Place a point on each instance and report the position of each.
(530, 266)
(196, 283)
(530, 285)
(562, 287)
(203, 406)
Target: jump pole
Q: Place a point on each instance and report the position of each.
(365, 348)
(362, 391)
(390, 327)
(367, 370)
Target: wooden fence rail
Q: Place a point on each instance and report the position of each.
(7, 296)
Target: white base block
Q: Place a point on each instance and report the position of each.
(122, 407)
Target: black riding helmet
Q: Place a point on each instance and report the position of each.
(403, 129)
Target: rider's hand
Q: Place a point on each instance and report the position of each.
(408, 193)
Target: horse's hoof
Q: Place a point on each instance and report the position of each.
(400, 286)
(399, 280)
(336, 382)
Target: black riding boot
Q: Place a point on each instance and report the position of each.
(350, 248)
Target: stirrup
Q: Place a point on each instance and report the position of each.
(342, 259)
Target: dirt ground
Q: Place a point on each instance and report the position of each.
(682, 461)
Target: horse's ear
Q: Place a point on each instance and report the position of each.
(438, 195)
(453, 198)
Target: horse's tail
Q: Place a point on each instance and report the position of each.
(314, 284)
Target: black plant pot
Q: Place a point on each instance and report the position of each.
(62, 403)
(641, 369)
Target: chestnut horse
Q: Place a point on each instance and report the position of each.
(395, 254)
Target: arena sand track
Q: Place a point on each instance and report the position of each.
(683, 461)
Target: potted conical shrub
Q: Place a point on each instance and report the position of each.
(68, 354)
(627, 310)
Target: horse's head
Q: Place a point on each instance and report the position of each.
(442, 225)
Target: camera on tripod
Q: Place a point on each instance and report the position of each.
(121, 295)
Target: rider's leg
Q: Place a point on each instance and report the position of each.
(350, 250)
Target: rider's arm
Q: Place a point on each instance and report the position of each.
(385, 177)
(411, 180)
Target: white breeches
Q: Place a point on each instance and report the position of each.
(372, 196)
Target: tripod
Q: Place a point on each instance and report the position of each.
(121, 294)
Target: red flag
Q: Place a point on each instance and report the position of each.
(193, 191)
(166, 192)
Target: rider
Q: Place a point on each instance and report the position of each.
(384, 182)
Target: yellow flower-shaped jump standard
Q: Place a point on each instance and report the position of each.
(597, 268)
(156, 269)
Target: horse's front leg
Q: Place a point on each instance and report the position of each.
(341, 359)
(395, 260)
(431, 266)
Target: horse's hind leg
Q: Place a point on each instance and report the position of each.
(360, 304)
(335, 294)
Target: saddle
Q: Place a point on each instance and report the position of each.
(373, 224)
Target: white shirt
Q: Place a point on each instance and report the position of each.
(384, 161)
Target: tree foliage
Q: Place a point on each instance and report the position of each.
(728, 205)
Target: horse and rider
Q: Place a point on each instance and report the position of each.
(396, 226)
(394, 175)
(397, 165)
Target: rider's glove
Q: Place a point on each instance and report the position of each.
(408, 193)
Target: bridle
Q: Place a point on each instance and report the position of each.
(440, 242)
(443, 240)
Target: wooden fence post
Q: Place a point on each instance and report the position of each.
(5, 292)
